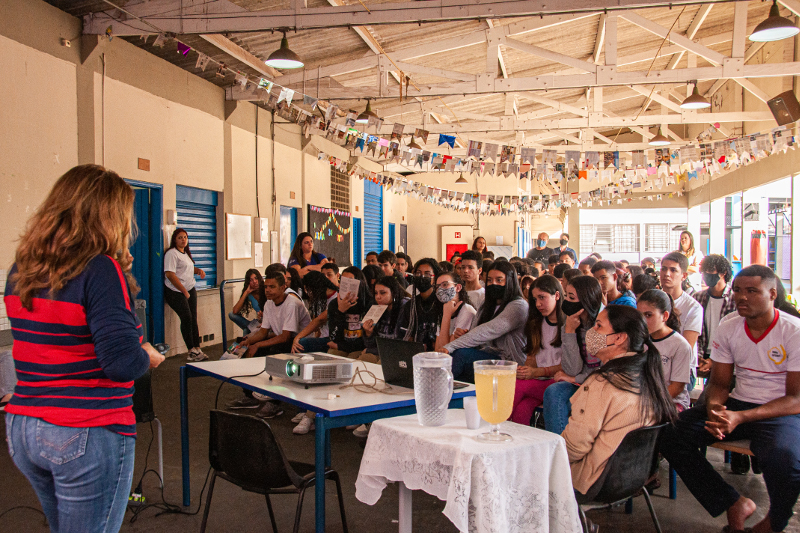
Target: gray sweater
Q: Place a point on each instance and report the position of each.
(504, 334)
(571, 361)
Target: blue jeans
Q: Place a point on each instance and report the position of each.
(773, 442)
(462, 362)
(82, 476)
(315, 344)
(240, 321)
(557, 407)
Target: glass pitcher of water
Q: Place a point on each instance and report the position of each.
(433, 387)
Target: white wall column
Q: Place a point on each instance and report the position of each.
(693, 224)
(717, 227)
(795, 280)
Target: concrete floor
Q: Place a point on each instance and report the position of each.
(235, 510)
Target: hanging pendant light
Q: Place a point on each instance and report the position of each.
(364, 117)
(659, 139)
(461, 178)
(413, 144)
(775, 27)
(283, 58)
(695, 100)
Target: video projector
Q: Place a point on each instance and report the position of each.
(310, 369)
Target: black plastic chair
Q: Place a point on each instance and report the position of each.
(243, 450)
(627, 471)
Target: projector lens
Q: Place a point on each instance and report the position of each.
(291, 368)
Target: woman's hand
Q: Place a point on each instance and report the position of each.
(368, 326)
(186, 293)
(458, 332)
(333, 345)
(562, 376)
(449, 308)
(573, 322)
(525, 372)
(260, 316)
(296, 346)
(443, 350)
(155, 357)
(199, 272)
(346, 303)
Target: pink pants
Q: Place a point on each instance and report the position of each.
(527, 397)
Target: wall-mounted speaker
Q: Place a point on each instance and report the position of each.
(785, 108)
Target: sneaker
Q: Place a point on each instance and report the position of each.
(245, 403)
(196, 356)
(298, 417)
(362, 431)
(351, 428)
(269, 410)
(262, 397)
(305, 425)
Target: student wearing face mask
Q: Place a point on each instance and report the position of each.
(388, 292)
(543, 332)
(419, 320)
(498, 330)
(582, 303)
(625, 393)
(457, 310)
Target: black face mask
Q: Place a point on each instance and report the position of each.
(563, 242)
(422, 283)
(710, 279)
(570, 308)
(495, 292)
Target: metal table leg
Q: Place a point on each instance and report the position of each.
(187, 493)
(321, 457)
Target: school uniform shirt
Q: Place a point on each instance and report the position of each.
(316, 259)
(548, 355)
(290, 315)
(182, 265)
(477, 297)
(462, 318)
(760, 363)
(676, 359)
(691, 316)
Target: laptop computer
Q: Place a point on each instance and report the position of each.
(397, 362)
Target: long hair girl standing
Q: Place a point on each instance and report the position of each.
(179, 291)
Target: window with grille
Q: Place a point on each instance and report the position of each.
(661, 238)
(609, 238)
(340, 190)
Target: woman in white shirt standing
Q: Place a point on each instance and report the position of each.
(180, 294)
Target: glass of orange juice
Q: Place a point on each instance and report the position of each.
(495, 382)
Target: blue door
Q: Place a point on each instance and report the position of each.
(288, 229)
(147, 251)
(357, 255)
(391, 238)
(373, 217)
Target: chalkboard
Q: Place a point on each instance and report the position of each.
(331, 230)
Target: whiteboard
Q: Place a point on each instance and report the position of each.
(239, 236)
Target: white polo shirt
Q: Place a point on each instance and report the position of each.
(760, 364)
(690, 313)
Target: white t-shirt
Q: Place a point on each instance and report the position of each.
(182, 265)
(760, 364)
(291, 315)
(463, 320)
(691, 314)
(477, 297)
(711, 317)
(676, 358)
(549, 355)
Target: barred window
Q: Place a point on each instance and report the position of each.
(609, 238)
(340, 190)
(661, 238)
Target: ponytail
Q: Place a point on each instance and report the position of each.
(664, 303)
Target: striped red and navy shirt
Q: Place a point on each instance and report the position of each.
(78, 352)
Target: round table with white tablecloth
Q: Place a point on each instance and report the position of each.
(520, 486)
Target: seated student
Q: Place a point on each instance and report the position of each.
(565, 257)
(552, 261)
(419, 320)
(541, 267)
(717, 302)
(582, 302)
(543, 332)
(344, 317)
(648, 262)
(252, 298)
(569, 275)
(372, 258)
(488, 255)
(521, 268)
(294, 285)
(558, 273)
(627, 392)
(387, 292)
(457, 311)
(371, 274)
(642, 283)
(586, 264)
(762, 344)
(498, 331)
(303, 258)
(673, 273)
(446, 266)
(525, 283)
(606, 274)
(331, 271)
(471, 270)
(625, 263)
(387, 261)
(487, 264)
(596, 255)
(676, 354)
(456, 257)
(633, 271)
(320, 292)
(404, 264)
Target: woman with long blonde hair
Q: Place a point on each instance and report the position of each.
(70, 424)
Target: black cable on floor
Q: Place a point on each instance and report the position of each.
(23, 507)
(216, 399)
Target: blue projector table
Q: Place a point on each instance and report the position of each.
(349, 408)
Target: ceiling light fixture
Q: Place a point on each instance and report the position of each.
(283, 58)
(364, 117)
(659, 139)
(775, 27)
(461, 179)
(695, 100)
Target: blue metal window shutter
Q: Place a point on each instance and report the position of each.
(197, 214)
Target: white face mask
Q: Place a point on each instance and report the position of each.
(596, 341)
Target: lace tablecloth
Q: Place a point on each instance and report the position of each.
(519, 486)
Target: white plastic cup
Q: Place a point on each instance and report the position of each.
(471, 413)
